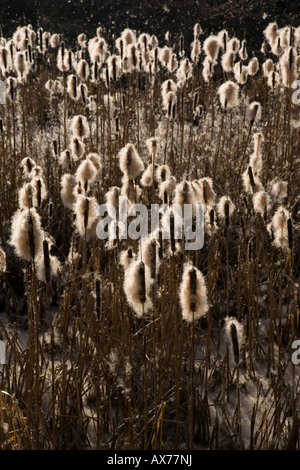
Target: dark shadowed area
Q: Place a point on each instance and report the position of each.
(71, 17)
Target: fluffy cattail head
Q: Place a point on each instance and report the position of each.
(112, 196)
(65, 160)
(280, 218)
(47, 265)
(223, 39)
(197, 30)
(250, 181)
(195, 50)
(77, 148)
(288, 66)
(5, 60)
(163, 173)
(21, 64)
(253, 112)
(79, 127)
(166, 87)
(268, 67)
(193, 294)
(261, 202)
(126, 257)
(26, 234)
(114, 67)
(131, 190)
(228, 94)
(130, 161)
(86, 174)
(27, 164)
(32, 194)
(82, 40)
(128, 37)
(82, 70)
(54, 86)
(271, 33)
(153, 146)
(281, 228)
(137, 284)
(279, 189)
(234, 336)
(149, 254)
(72, 88)
(184, 193)
(95, 159)
(165, 55)
(54, 41)
(243, 51)
(225, 208)
(167, 189)
(228, 61)
(233, 45)
(240, 73)
(211, 47)
(87, 217)
(68, 183)
(253, 66)
(147, 176)
(208, 193)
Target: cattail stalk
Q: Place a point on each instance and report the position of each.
(98, 298)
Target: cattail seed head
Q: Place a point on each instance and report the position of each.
(253, 66)
(137, 284)
(211, 47)
(27, 164)
(87, 218)
(86, 174)
(271, 33)
(79, 127)
(253, 112)
(225, 207)
(227, 61)
(193, 294)
(165, 55)
(26, 234)
(261, 202)
(130, 162)
(149, 254)
(77, 148)
(72, 87)
(82, 70)
(280, 228)
(279, 189)
(95, 159)
(234, 336)
(223, 39)
(228, 93)
(147, 176)
(68, 183)
(153, 146)
(251, 182)
(65, 160)
(268, 67)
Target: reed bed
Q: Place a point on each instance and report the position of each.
(142, 344)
